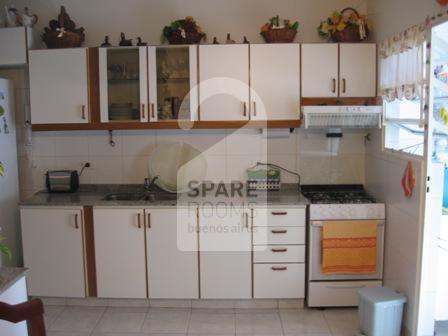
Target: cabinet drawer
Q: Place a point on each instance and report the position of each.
(340, 294)
(279, 235)
(279, 216)
(279, 281)
(279, 254)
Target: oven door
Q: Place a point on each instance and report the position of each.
(315, 255)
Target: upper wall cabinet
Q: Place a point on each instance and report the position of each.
(339, 70)
(275, 81)
(123, 84)
(15, 42)
(172, 73)
(357, 70)
(224, 82)
(58, 86)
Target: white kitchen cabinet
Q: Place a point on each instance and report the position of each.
(357, 69)
(320, 70)
(15, 42)
(173, 78)
(172, 255)
(123, 78)
(52, 240)
(120, 252)
(59, 86)
(224, 82)
(225, 253)
(275, 81)
(279, 281)
(338, 70)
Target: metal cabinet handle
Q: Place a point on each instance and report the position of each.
(334, 85)
(279, 213)
(284, 268)
(344, 85)
(152, 111)
(279, 231)
(83, 112)
(143, 111)
(139, 221)
(279, 250)
(244, 109)
(149, 221)
(255, 109)
(76, 222)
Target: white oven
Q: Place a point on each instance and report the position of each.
(315, 255)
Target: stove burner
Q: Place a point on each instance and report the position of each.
(334, 194)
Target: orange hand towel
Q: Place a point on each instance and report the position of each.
(349, 247)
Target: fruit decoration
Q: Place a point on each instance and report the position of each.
(62, 33)
(345, 26)
(184, 31)
(276, 32)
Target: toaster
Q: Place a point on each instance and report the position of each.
(62, 180)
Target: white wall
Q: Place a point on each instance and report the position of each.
(146, 18)
(384, 171)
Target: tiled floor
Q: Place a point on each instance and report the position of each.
(113, 321)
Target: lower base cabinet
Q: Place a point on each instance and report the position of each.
(53, 251)
(279, 281)
(143, 253)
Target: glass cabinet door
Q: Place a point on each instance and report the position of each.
(123, 84)
(172, 73)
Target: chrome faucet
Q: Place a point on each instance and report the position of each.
(149, 183)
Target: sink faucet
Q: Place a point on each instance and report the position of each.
(150, 182)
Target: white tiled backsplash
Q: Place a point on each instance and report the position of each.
(228, 152)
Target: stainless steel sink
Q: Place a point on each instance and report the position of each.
(124, 197)
(149, 197)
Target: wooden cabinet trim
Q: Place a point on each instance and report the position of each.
(90, 252)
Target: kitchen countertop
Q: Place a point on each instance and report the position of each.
(9, 276)
(92, 195)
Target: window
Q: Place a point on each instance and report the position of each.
(402, 131)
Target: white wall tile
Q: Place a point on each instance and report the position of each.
(43, 144)
(135, 169)
(237, 165)
(346, 169)
(71, 144)
(216, 168)
(210, 142)
(99, 144)
(245, 142)
(107, 169)
(138, 143)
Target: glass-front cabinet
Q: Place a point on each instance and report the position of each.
(172, 74)
(123, 84)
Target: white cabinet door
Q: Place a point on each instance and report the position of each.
(319, 70)
(224, 82)
(357, 69)
(225, 253)
(275, 81)
(172, 271)
(53, 251)
(58, 86)
(120, 252)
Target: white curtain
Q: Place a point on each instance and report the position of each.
(402, 66)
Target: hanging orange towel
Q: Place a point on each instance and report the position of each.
(349, 247)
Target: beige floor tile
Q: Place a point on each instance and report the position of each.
(121, 322)
(166, 320)
(303, 321)
(342, 321)
(51, 314)
(203, 323)
(67, 333)
(77, 319)
(266, 323)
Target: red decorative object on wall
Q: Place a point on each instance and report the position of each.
(443, 2)
(408, 180)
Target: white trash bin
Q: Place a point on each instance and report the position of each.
(380, 311)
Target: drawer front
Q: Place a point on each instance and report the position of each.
(279, 254)
(337, 294)
(279, 216)
(279, 235)
(279, 281)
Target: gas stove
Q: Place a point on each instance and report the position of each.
(337, 194)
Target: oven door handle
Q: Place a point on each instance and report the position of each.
(381, 222)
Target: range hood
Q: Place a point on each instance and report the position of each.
(342, 116)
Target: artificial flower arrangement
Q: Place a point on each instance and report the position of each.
(184, 31)
(345, 26)
(275, 31)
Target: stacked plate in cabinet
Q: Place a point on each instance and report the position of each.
(279, 252)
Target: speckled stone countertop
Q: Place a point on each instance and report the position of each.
(9, 276)
(93, 195)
